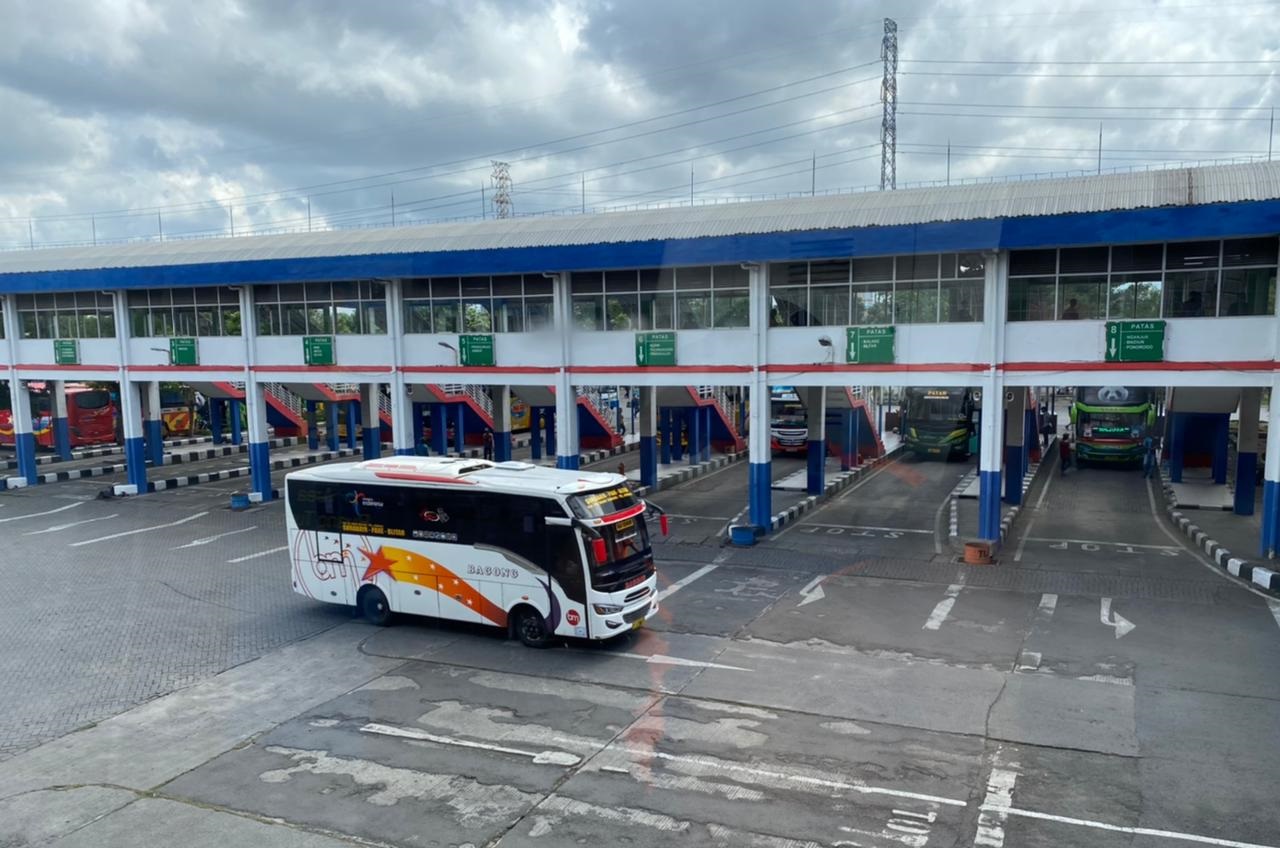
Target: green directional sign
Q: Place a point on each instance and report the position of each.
(317, 350)
(476, 349)
(183, 351)
(870, 345)
(1135, 341)
(66, 351)
(655, 348)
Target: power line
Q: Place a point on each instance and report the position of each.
(1092, 62)
(1088, 106)
(1006, 74)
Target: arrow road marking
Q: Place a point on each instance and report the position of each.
(663, 659)
(555, 758)
(46, 512)
(813, 591)
(195, 543)
(1115, 619)
(55, 528)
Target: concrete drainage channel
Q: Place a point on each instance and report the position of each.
(1255, 575)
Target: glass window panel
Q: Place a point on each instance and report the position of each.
(620, 281)
(732, 308)
(477, 315)
(789, 307)
(697, 277)
(345, 290)
(207, 321)
(87, 300)
(507, 286)
(1082, 260)
(44, 301)
(873, 269)
(44, 325)
(537, 312)
(206, 294)
(292, 292)
(622, 310)
(1190, 294)
(135, 298)
(294, 317)
(373, 290)
(373, 317)
(139, 323)
(828, 273)
(588, 312)
(1191, 254)
(64, 300)
(651, 279)
(318, 292)
(916, 303)
(1137, 257)
(231, 320)
(872, 302)
(183, 296)
(346, 318)
(476, 288)
(731, 277)
(184, 321)
(960, 301)
(1134, 295)
(948, 269)
(415, 288)
(922, 267)
(829, 306)
(537, 284)
(445, 316)
(1256, 251)
(1249, 291)
(88, 324)
(266, 294)
(268, 318)
(586, 281)
(106, 325)
(1026, 263)
(508, 313)
(1083, 298)
(693, 309)
(68, 326)
(417, 316)
(228, 296)
(161, 322)
(787, 274)
(319, 319)
(657, 311)
(1032, 299)
(971, 265)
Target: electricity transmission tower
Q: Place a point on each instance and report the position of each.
(889, 101)
(501, 180)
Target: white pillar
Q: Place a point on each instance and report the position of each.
(130, 404)
(401, 403)
(759, 452)
(501, 396)
(991, 454)
(567, 446)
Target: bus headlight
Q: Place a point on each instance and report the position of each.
(606, 609)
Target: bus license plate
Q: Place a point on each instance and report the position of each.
(637, 624)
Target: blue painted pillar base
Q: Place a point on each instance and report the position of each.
(570, 462)
(1270, 518)
(1246, 474)
(664, 425)
(406, 452)
(989, 506)
(694, 418)
(551, 435)
(62, 438)
(313, 431)
(1221, 437)
(353, 420)
(706, 434)
(817, 466)
(260, 469)
(846, 441)
(154, 431)
(237, 429)
(25, 445)
(215, 419)
(331, 410)
(760, 495)
(460, 428)
(1013, 463)
(419, 447)
(372, 442)
(502, 446)
(439, 429)
(135, 458)
(648, 461)
(677, 436)
(535, 434)
(1177, 445)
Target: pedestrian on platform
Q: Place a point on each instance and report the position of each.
(1148, 456)
(1064, 453)
(488, 443)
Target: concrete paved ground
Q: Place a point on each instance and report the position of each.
(1101, 686)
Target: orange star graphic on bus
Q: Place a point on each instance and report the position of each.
(379, 563)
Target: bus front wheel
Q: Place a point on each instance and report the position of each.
(531, 628)
(374, 607)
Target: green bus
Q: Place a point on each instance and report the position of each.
(1111, 422)
(937, 423)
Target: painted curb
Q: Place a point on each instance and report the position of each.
(690, 473)
(840, 481)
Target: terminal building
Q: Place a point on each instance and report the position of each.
(1161, 279)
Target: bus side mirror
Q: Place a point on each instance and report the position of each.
(599, 550)
(664, 524)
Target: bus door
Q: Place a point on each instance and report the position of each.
(566, 564)
(334, 561)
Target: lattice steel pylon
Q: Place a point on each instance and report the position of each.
(889, 101)
(501, 180)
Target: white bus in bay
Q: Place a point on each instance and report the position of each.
(540, 551)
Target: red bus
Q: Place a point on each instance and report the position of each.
(91, 417)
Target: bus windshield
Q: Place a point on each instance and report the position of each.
(940, 406)
(603, 503)
(1103, 424)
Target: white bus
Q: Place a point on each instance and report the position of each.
(540, 551)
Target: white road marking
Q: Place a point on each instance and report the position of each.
(1096, 542)
(1275, 611)
(943, 609)
(1048, 603)
(999, 798)
(697, 575)
(813, 591)
(55, 528)
(1121, 624)
(46, 512)
(260, 554)
(663, 659)
(698, 517)
(1006, 810)
(867, 527)
(838, 498)
(552, 758)
(139, 530)
(195, 543)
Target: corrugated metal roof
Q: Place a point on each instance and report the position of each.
(1150, 189)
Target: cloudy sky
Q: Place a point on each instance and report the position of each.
(124, 117)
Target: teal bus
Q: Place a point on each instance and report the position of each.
(937, 423)
(1111, 422)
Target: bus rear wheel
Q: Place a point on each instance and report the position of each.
(531, 628)
(374, 607)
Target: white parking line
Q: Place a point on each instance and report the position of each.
(46, 512)
(1096, 542)
(1048, 603)
(699, 517)
(139, 530)
(869, 527)
(1005, 810)
(55, 528)
(995, 806)
(554, 758)
(943, 609)
(260, 554)
(697, 575)
(1275, 611)
(195, 543)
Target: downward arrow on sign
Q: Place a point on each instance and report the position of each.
(1121, 624)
